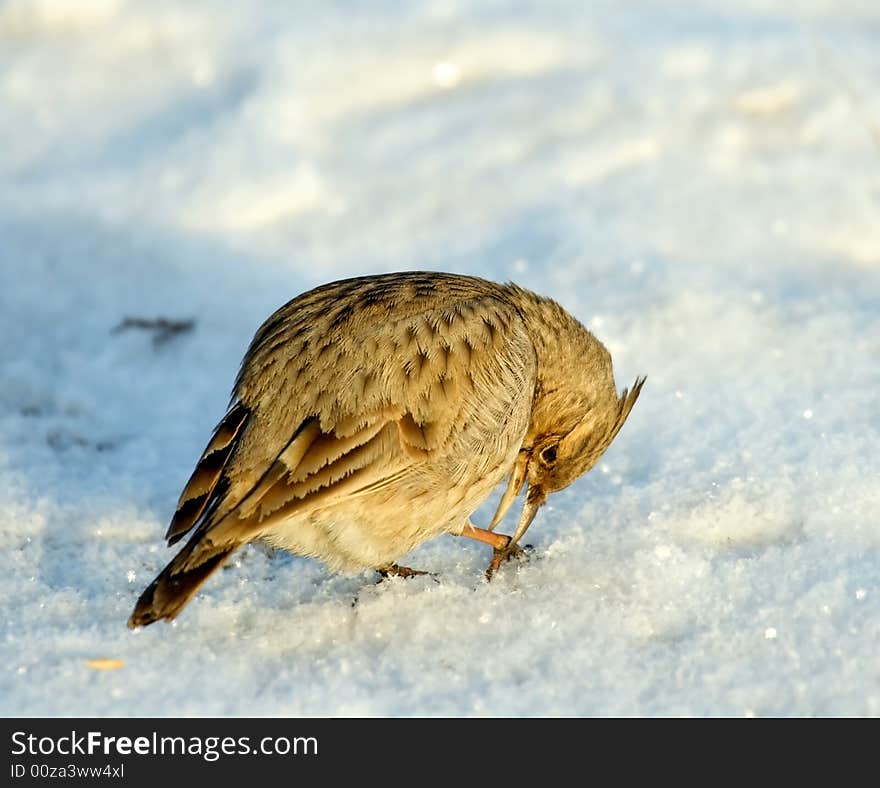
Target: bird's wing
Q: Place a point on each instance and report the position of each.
(354, 385)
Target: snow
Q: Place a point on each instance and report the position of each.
(697, 182)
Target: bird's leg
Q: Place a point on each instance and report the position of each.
(502, 550)
(393, 570)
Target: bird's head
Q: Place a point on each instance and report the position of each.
(576, 412)
(554, 458)
(557, 457)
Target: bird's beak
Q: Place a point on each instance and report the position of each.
(514, 485)
(534, 501)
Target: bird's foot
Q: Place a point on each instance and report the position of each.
(399, 571)
(502, 549)
(508, 553)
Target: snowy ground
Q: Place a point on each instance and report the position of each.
(699, 182)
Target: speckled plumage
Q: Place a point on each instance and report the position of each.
(372, 414)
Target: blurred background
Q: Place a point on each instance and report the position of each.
(698, 182)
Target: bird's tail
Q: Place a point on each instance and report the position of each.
(176, 584)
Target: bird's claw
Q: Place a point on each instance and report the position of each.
(506, 554)
(401, 571)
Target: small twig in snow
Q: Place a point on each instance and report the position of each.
(163, 329)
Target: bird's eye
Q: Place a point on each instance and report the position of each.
(548, 455)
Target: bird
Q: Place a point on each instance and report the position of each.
(372, 414)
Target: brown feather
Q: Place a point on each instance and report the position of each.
(305, 490)
(287, 463)
(167, 595)
(196, 495)
(627, 400)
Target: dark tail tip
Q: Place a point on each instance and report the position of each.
(169, 593)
